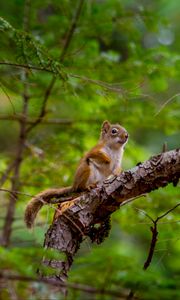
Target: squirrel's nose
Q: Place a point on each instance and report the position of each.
(126, 135)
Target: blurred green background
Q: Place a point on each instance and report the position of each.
(122, 64)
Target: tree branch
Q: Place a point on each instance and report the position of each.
(95, 206)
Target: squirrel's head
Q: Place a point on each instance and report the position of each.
(114, 135)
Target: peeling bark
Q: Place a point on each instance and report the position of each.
(68, 230)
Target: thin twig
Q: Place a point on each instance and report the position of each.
(12, 64)
(165, 147)
(166, 213)
(43, 107)
(16, 192)
(20, 117)
(8, 97)
(155, 234)
(71, 30)
(75, 286)
(63, 53)
(99, 83)
(6, 173)
(144, 213)
(152, 245)
(165, 103)
(106, 85)
(132, 199)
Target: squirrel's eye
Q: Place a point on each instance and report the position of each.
(114, 131)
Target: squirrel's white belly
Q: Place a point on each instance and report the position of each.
(116, 158)
(97, 175)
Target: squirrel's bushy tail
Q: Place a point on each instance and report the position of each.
(35, 204)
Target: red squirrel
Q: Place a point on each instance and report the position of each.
(96, 165)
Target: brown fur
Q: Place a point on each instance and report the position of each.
(36, 203)
(101, 161)
(81, 176)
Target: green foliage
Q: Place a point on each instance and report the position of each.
(30, 51)
(122, 64)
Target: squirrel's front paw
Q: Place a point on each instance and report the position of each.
(92, 186)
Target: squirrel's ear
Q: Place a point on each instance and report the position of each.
(105, 127)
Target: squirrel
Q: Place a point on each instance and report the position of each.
(100, 162)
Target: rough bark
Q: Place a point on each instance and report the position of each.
(68, 230)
